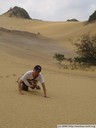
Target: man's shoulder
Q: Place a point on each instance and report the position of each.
(40, 74)
(30, 71)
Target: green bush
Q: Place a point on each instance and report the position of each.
(86, 50)
(59, 57)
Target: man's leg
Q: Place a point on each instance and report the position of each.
(35, 86)
(24, 86)
(38, 87)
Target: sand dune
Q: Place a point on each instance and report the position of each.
(49, 29)
(72, 93)
(62, 32)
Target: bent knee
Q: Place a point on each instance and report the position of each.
(20, 81)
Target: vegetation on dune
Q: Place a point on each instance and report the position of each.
(85, 50)
(18, 12)
(92, 17)
(74, 20)
(59, 57)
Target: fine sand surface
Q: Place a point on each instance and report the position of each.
(72, 94)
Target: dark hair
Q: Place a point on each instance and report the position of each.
(38, 67)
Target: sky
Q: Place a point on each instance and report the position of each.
(53, 10)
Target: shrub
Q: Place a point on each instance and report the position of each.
(74, 20)
(86, 50)
(59, 57)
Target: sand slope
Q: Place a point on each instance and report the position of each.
(72, 93)
(72, 98)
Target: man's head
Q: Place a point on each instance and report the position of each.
(37, 69)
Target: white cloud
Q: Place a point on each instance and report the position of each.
(53, 9)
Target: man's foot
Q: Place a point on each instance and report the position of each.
(38, 87)
(33, 87)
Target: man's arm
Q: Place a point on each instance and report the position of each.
(44, 89)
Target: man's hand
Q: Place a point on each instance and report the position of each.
(46, 97)
(21, 93)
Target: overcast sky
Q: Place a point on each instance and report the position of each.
(53, 10)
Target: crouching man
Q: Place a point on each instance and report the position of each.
(30, 80)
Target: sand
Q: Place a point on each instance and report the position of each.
(72, 93)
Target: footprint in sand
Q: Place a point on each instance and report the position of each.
(1, 76)
(7, 76)
(14, 74)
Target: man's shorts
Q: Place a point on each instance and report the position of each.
(24, 86)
